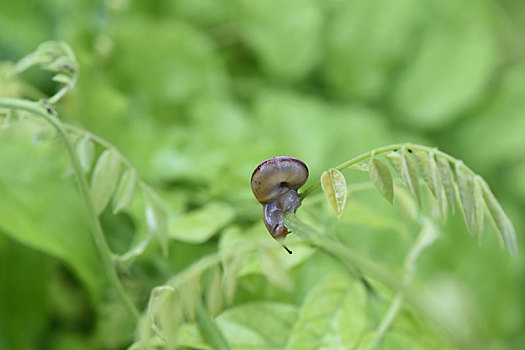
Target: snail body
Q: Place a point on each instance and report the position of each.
(275, 183)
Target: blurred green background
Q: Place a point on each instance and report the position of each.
(196, 93)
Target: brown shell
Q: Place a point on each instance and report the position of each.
(277, 175)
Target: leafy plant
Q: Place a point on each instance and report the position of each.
(472, 193)
(58, 57)
(352, 301)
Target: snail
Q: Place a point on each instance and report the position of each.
(275, 183)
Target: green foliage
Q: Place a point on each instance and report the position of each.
(382, 179)
(332, 316)
(56, 227)
(126, 217)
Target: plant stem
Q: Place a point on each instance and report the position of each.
(427, 235)
(368, 154)
(209, 328)
(96, 228)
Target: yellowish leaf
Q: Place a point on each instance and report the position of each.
(334, 186)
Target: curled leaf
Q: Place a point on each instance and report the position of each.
(51, 55)
(382, 179)
(104, 180)
(125, 190)
(334, 186)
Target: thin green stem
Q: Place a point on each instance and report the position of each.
(209, 328)
(380, 150)
(427, 235)
(96, 228)
(58, 95)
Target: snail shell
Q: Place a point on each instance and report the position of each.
(277, 175)
(275, 183)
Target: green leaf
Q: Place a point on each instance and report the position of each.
(334, 186)
(255, 325)
(104, 180)
(406, 168)
(447, 180)
(466, 194)
(85, 149)
(429, 170)
(43, 211)
(382, 179)
(200, 225)
(500, 221)
(125, 190)
(156, 216)
(479, 207)
(333, 316)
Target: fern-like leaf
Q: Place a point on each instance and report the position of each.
(405, 167)
(447, 186)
